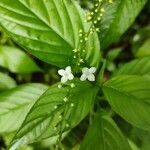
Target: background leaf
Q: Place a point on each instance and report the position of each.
(144, 50)
(44, 116)
(15, 104)
(133, 146)
(139, 67)
(104, 134)
(141, 138)
(6, 82)
(48, 29)
(129, 96)
(16, 60)
(117, 18)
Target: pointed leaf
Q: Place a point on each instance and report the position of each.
(129, 96)
(6, 82)
(53, 111)
(16, 60)
(104, 134)
(144, 50)
(139, 67)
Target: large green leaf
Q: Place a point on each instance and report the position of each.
(129, 96)
(104, 134)
(117, 19)
(139, 67)
(45, 115)
(6, 82)
(15, 104)
(49, 29)
(16, 60)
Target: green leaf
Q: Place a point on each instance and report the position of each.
(118, 17)
(16, 103)
(104, 134)
(6, 82)
(44, 120)
(133, 146)
(142, 136)
(140, 37)
(113, 54)
(129, 96)
(139, 67)
(49, 29)
(16, 60)
(100, 76)
(144, 50)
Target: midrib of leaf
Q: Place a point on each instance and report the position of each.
(16, 108)
(31, 128)
(105, 129)
(102, 129)
(42, 42)
(112, 137)
(46, 24)
(37, 123)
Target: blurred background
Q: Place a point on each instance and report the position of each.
(133, 44)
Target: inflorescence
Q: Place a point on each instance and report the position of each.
(94, 16)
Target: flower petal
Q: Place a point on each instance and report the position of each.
(92, 70)
(91, 77)
(83, 77)
(70, 76)
(85, 70)
(68, 69)
(61, 72)
(63, 79)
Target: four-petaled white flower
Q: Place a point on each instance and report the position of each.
(88, 73)
(66, 74)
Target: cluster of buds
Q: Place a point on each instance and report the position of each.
(95, 16)
(83, 37)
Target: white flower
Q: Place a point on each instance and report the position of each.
(66, 74)
(88, 74)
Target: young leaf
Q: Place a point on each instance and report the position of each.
(129, 96)
(113, 54)
(6, 82)
(144, 50)
(139, 67)
(133, 146)
(16, 60)
(56, 111)
(117, 18)
(104, 134)
(49, 29)
(15, 104)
